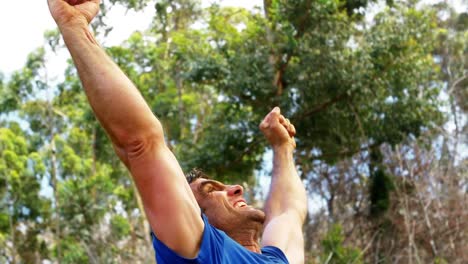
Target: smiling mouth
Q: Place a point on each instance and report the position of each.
(240, 204)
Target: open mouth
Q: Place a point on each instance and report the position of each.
(240, 204)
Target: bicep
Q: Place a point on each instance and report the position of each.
(170, 205)
(285, 232)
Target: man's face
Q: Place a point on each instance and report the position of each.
(224, 205)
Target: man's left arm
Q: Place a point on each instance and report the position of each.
(286, 205)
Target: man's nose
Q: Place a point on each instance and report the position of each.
(234, 190)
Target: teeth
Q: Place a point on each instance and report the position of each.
(240, 204)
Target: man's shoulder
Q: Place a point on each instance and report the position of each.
(275, 254)
(218, 248)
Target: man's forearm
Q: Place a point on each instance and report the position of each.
(115, 100)
(287, 193)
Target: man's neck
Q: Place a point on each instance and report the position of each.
(248, 237)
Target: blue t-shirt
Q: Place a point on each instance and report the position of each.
(218, 248)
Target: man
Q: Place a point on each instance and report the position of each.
(186, 219)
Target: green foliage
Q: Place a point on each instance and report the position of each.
(341, 96)
(4, 223)
(210, 75)
(18, 181)
(439, 260)
(19, 192)
(53, 39)
(225, 154)
(120, 226)
(73, 252)
(85, 200)
(334, 250)
(381, 185)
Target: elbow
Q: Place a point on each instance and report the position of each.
(300, 206)
(301, 209)
(134, 144)
(296, 208)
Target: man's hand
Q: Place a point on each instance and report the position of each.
(72, 12)
(278, 130)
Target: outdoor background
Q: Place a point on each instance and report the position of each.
(377, 90)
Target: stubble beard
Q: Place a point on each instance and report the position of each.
(247, 227)
(242, 220)
(255, 215)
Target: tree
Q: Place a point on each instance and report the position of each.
(363, 93)
(23, 212)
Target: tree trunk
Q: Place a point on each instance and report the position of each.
(54, 183)
(10, 203)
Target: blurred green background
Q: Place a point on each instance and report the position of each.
(377, 90)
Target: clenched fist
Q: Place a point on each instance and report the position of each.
(278, 130)
(73, 12)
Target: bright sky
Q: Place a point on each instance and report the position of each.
(23, 23)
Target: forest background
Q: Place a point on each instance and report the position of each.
(377, 91)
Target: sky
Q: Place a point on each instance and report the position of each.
(23, 23)
(22, 27)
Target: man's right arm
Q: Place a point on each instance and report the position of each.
(286, 204)
(136, 134)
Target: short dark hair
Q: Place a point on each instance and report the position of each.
(194, 174)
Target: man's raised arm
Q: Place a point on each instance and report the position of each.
(135, 132)
(286, 205)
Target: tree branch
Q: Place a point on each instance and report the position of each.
(346, 152)
(321, 107)
(456, 82)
